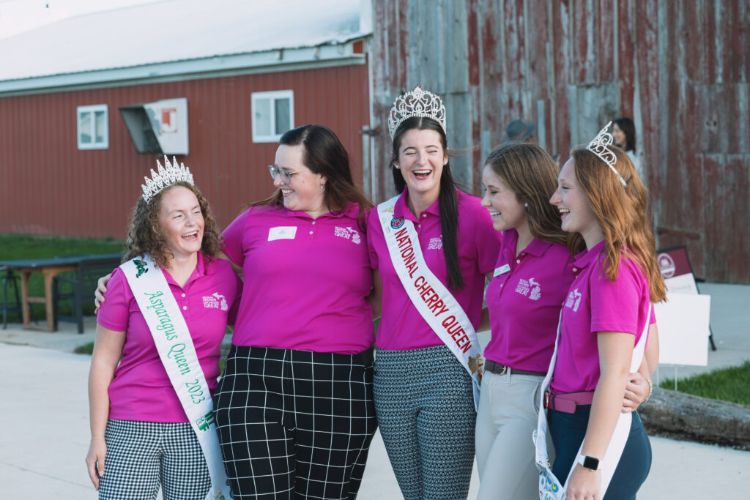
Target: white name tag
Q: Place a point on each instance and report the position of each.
(501, 270)
(282, 233)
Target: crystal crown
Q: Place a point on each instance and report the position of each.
(418, 102)
(166, 175)
(599, 145)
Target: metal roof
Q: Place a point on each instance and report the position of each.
(179, 37)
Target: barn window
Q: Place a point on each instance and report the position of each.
(272, 114)
(93, 131)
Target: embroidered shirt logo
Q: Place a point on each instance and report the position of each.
(348, 233)
(215, 301)
(529, 288)
(574, 300)
(435, 243)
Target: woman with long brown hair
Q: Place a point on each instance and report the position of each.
(604, 324)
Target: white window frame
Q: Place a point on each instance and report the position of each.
(81, 110)
(272, 96)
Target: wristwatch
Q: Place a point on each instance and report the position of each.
(588, 462)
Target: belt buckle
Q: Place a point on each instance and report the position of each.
(546, 399)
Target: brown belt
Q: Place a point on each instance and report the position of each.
(499, 369)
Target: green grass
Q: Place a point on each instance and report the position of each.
(728, 384)
(13, 246)
(84, 348)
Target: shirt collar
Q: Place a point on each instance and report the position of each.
(401, 209)
(583, 259)
(350, 211)
(200, 270)
(537, 247)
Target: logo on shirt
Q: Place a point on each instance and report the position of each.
(529, 288)
(397, 222)
(574, 300)
(348, 233)
(435, 243)
(215, 301)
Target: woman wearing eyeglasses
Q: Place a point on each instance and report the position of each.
(294, 408)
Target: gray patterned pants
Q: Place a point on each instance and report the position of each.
(425, 409)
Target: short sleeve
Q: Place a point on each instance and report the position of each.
(115, 310)
(615, 305)
(233, 237)
(373, 231)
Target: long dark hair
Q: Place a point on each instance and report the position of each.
(325, 155)
(447, 198)
(628, 128)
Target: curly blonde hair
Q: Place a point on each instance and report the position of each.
(146, 237)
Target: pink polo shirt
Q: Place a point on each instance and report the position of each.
(141, 389)
(401, 326)
(306, 281)
(596, 304)
(524, 299)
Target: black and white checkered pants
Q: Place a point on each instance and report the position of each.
(141, 456)
(295, 424)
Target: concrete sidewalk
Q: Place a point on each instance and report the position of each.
(44, 420)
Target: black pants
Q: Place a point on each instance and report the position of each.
(295, 424)
(568, 431)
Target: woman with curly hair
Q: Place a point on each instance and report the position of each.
(156, 356)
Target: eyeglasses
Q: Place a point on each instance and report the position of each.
(283, 174)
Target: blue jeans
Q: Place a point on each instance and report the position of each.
(568, 431)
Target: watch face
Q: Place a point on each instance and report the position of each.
(591, 463)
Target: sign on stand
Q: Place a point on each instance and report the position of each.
(684, 319)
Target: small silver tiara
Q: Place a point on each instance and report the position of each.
(418, 102)
(599, 146)
(167, 175)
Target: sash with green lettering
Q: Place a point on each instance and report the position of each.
(434, 302)
(177, 353)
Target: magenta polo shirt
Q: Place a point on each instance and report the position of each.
(401, 326)
(596, 304)
(306, 281)
(141, 389)
(524, 299)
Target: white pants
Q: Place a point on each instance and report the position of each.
(505, 451)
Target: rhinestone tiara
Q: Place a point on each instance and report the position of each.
(167, 175)
(599, 146)
(418, 102)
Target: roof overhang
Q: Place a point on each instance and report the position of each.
(341, 54)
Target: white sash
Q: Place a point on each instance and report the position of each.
(177, 353)
(549, 486)
(435, 303)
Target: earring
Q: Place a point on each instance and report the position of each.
(525, 205)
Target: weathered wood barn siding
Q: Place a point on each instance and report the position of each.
(49, 186)
(680, 68)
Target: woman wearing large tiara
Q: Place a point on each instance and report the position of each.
(432, 246)
(599, 451)
(156, 356)
(294, 407)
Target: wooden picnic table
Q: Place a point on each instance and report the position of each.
(50, 269)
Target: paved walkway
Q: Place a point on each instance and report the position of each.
(44, 421)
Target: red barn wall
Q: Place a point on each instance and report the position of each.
(48, 186)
